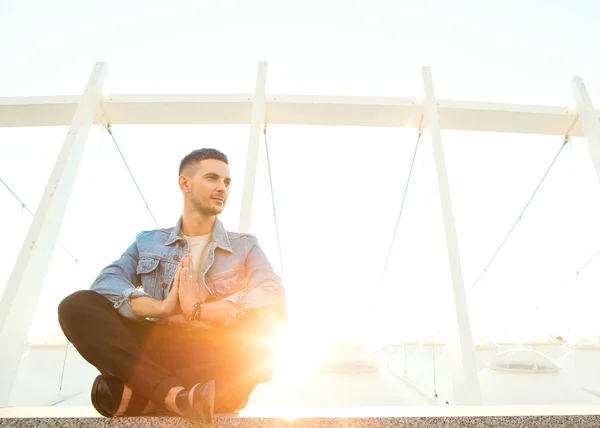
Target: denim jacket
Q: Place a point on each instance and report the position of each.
(236, 269)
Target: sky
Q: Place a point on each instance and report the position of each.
(337, 189)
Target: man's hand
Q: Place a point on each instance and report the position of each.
(146, 306)
(213, 313)
(189, 292)
(170, 306)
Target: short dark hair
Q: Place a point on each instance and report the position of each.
(201, 154)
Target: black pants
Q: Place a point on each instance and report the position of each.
(151, 359)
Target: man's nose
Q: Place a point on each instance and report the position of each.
(221, 187)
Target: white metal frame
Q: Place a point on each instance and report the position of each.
(589, 121)
(258, 119)
(285, 109)
(465, 380)
(24, 287)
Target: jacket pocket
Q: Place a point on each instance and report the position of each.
(226, 283)
(148, 272)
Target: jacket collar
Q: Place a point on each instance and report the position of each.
(219, 235)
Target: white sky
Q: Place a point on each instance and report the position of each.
(338, 190)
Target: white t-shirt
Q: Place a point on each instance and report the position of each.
(197, 245)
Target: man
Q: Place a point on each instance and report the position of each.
(177, 323)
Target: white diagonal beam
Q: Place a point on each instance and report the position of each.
(589, 121)
(256, 124)
(466, 382)
(24, 287)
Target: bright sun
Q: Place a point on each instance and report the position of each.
(297, 350)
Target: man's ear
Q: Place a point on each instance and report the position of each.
(184, 183)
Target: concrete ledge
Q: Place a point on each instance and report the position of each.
(406, 417)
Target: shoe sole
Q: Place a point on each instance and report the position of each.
(94, 396)
(204, 408)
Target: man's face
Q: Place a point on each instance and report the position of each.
(209, 186)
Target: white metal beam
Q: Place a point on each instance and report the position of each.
(24, 287)
(294, 110)
(589, 121)
(466, 382)
(256, 124)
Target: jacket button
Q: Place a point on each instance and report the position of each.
(164, 285)
(175, 257)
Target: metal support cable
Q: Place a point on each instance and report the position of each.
(405, 362)
(387, 260)
(273, 200)
(587, 263)
(567, 139)
(62, 374)
(24, 207)
(109, 130)
(435, 394)
(553, 292)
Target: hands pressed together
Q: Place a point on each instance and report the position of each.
(185, 292)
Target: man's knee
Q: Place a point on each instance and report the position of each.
(253, 328)
(76, 304)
